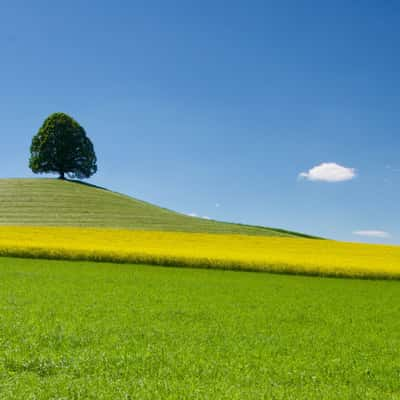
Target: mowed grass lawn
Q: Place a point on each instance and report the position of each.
(52, 202)
(82, 330)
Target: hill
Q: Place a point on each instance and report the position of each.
(52, 202)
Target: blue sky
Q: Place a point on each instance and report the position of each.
(216, 107)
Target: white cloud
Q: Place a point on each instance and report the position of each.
(192, 215)
(329, 172)
(217, 205)
(373, 233)
(205, 217)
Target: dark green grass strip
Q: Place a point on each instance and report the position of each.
(81, 330)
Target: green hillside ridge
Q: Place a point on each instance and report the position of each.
(53, 202)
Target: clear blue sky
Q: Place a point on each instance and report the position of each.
(216, 107)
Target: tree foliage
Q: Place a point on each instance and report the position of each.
(61, 146)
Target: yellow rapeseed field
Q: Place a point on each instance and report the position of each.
(239, 252)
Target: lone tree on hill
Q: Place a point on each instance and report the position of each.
(61, 146)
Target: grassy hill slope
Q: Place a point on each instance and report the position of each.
(52, 202)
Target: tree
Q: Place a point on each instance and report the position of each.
(61, 146)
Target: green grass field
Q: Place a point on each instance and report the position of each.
(51, 202)
(79, 330)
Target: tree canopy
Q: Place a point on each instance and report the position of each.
(61, 146)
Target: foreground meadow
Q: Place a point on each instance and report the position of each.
(82, 330)
(219, 251)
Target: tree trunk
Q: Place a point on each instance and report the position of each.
(62, 176)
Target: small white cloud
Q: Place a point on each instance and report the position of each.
(205, 217)
(192, 215)
(373, 233)
(392, 169)
(217, 205)
(329, 172)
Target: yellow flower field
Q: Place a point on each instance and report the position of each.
(239, 252)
